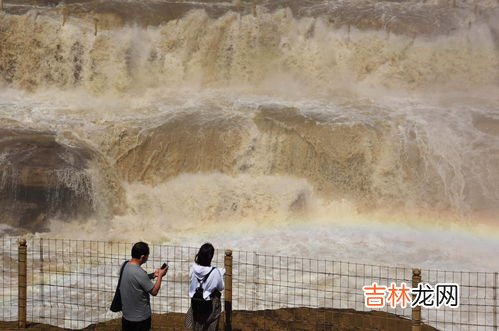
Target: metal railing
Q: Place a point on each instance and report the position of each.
(70, 284)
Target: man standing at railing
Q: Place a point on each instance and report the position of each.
(135, 289)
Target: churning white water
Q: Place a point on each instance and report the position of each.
(358, 131)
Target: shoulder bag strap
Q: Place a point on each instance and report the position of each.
(201, 281)
(121, 273)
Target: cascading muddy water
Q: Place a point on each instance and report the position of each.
(256, 51)
(45, 178)
(203, 116)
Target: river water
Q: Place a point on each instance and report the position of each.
(365, 131)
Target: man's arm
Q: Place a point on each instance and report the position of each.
(157, 285)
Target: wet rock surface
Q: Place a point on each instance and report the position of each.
(41, 178)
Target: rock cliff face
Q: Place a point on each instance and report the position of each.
(41, 177)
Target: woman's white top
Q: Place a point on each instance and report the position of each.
(214, 282)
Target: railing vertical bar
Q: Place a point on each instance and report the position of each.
(228, 290)
(416, 311)
(22, 269)
(495, 300)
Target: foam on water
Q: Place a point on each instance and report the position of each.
(342, 129)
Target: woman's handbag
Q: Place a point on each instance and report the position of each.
(116, 305)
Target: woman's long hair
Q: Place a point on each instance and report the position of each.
(205, 255)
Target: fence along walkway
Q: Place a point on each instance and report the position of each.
(70, 284)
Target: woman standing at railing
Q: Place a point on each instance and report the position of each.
(205, 288)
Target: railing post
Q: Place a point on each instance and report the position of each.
(495, 300)
(416, 311)
(1, 4)
(22, 257)
(228, 290)
(255, 280)
(42, 272)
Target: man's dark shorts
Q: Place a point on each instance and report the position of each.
(136, 326)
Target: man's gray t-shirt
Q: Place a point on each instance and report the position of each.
(135, 287)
